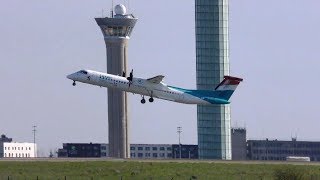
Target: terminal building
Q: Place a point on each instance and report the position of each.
(164, 151)
(151, 151)
(138, 151)
(276, 150)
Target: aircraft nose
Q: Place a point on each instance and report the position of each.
(71, 76)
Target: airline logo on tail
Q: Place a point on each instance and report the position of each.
(229, 83)
(228, 86)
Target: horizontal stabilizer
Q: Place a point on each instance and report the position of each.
(216, 100)
(156, 79)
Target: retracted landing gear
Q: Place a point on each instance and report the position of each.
(143, 100)
(74, 83)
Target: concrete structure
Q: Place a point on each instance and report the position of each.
(151, 151)
(279, 150)
(116, 31)
(19, 150)
(239, 143)
(212, 51)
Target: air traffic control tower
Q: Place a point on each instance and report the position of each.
(212, 51)
(116, 31)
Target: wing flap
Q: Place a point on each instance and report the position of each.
(156, 79)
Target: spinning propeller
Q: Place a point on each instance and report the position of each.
(130, 78)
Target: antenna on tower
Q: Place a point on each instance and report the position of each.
(112, 9)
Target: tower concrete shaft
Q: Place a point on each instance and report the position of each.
(116, 31)
(212, 51)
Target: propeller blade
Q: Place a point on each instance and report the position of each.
(131, 74)
(130, 78)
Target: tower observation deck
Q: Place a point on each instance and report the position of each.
(116, 31)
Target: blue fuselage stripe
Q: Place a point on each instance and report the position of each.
(207, 95)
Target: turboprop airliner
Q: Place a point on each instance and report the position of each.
(155, 88)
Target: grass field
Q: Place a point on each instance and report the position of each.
(152, 170)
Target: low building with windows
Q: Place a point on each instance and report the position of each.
(138, 151)
(83, 150)
(185, 151)
(19, 150)
(150, 151)
(104, 150)
(279, 150)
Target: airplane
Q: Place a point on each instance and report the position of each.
(155, 88)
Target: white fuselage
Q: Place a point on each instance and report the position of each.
(137, 86)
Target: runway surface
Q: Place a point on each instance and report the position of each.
(153, 160)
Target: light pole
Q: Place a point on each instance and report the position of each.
(34, 140)
(179, 131)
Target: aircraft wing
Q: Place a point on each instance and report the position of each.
(156, 79)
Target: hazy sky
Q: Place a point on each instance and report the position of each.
(273, 46)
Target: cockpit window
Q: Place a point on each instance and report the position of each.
(83, 72)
